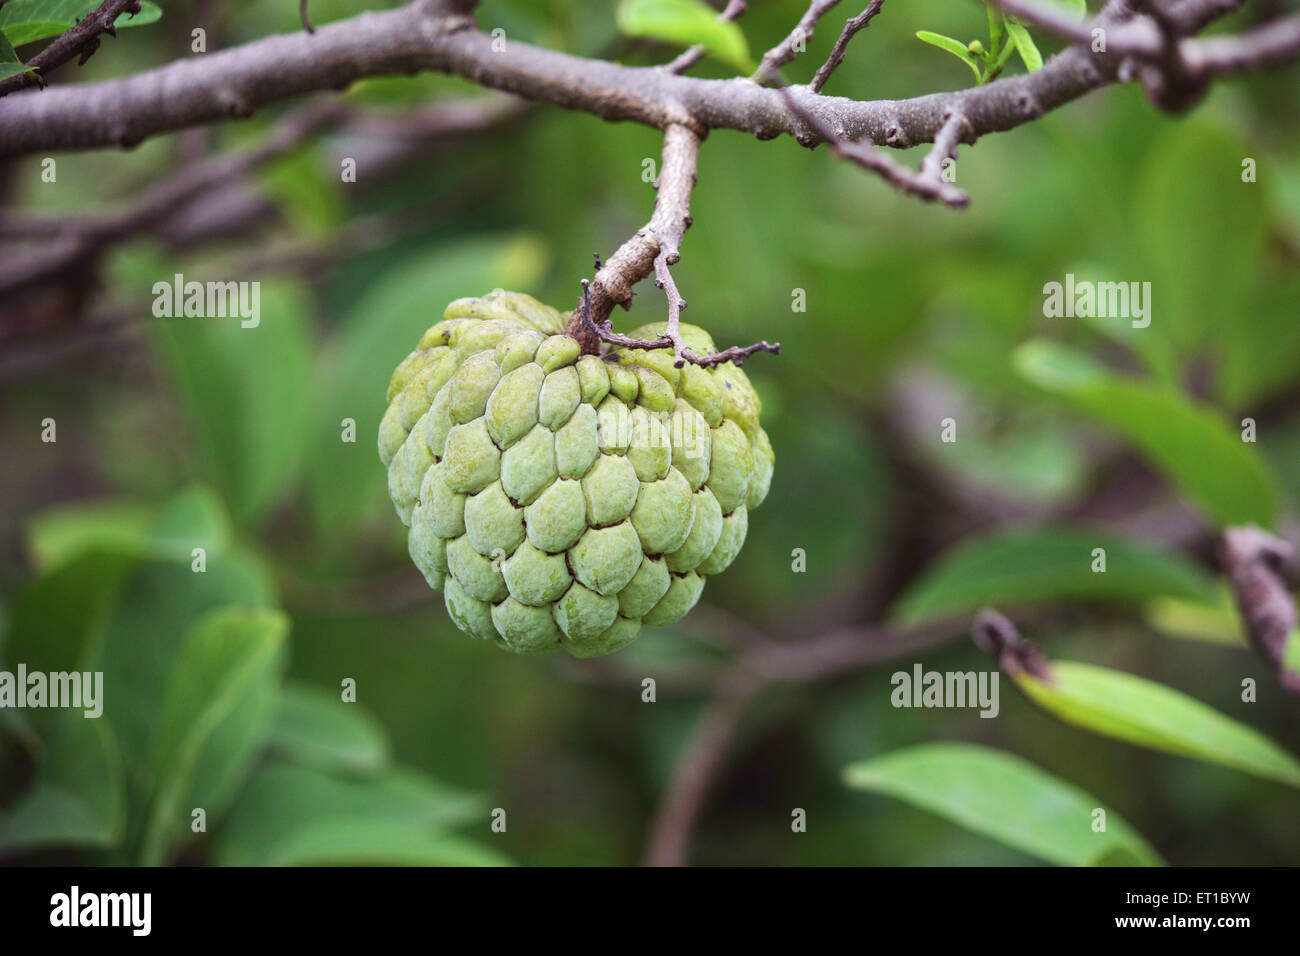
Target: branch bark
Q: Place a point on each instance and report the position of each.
(425, 35)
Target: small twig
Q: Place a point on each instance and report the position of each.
(995, 634)
(81, 41)
(922, 184)
(785, 51)
(763, 663)
(944, 148)
(697, 768)
(306, 20)
(850, 30)
(1258, 564)
(687, 59)
(585, 328)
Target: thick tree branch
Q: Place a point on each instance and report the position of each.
(422, 35)
(80, 41)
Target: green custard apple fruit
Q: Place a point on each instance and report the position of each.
(564, 500)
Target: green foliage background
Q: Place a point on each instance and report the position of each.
(180, 430)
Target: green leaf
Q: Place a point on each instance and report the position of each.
(192, 519)
(1079, 7)
(10, 65)
(78, 797)
(57, 619)
(1131, 708)
(686, 22)
(1047, 565)
(248, 391)
(216, 715)
(314, 727)
(1033, 60)
(285, 809)
(1005, 798)
(955, 47)
(347, 482)
(1216, 622)
(1194, 447)
(378, 843)
(26, 21)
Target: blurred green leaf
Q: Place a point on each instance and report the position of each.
(316, 728)
(1131, 708)
(192, 519)
(1192, 445)
(347, 481)
(686, 22)
(248, 392)
(78, 797)
(1025, 46)
(1047, 564)
(154, 611)
(955, 47)
(57, 619)
(216, 714)
(1202, 236)
(288, 812)
(12, 69)
(26, 21)
(1215, 622)
(1004, 798)
(378, 843)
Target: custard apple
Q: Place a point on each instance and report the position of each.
(564, 500)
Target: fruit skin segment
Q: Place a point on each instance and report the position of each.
(562, 500)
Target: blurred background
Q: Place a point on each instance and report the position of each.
(171, 431)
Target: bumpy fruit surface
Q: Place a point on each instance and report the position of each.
(560, 499)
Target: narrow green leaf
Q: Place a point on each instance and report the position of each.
(1047, 564)
(1033, 60)
(314, 727)
(13, 69)
(1194, 446)
(686, 22)
(216, 714)
(1131, 708)
(1005, 798)
(955, 47)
